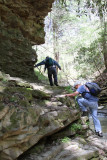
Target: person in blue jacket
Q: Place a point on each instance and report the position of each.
(50, 65)
(87, 101)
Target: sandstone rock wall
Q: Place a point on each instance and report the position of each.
(21, 26)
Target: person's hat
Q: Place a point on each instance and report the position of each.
(76, 83)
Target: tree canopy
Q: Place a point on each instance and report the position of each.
(76, 37)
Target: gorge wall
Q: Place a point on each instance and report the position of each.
(21, 26)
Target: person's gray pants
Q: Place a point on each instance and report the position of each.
(85, 104)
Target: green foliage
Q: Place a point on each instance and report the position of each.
(3, 77)
(88, 59)
(29, 89)
(76, 126)
(68, 89)
(87, 123)
(75, 33)
(65, 140)
(40, 75)
(98, 7)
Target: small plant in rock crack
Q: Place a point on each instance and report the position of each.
(29, 89)
(65, 140)
(76, 126)
(88, 123)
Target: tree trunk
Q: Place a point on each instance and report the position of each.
(55, 42)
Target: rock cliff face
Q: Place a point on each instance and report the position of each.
(21, 26)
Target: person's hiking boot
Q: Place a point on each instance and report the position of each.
(51, 84)
(56, 84)
(85, 113)
(100, 134)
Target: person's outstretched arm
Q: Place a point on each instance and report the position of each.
(39, 64)
(72, 94)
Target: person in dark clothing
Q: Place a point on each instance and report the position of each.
(50, 65)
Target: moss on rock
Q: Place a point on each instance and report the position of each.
(40, 94)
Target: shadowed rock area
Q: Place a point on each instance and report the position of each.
(21, 26)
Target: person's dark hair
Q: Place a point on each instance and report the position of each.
(47, 57)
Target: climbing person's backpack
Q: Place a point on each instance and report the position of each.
(49, 62)
(94, 89)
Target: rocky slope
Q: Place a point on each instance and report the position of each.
(21, 26)
(28, 112)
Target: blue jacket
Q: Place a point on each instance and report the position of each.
(44, 62)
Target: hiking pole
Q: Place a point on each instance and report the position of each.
(41, 74)
(39, 70)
